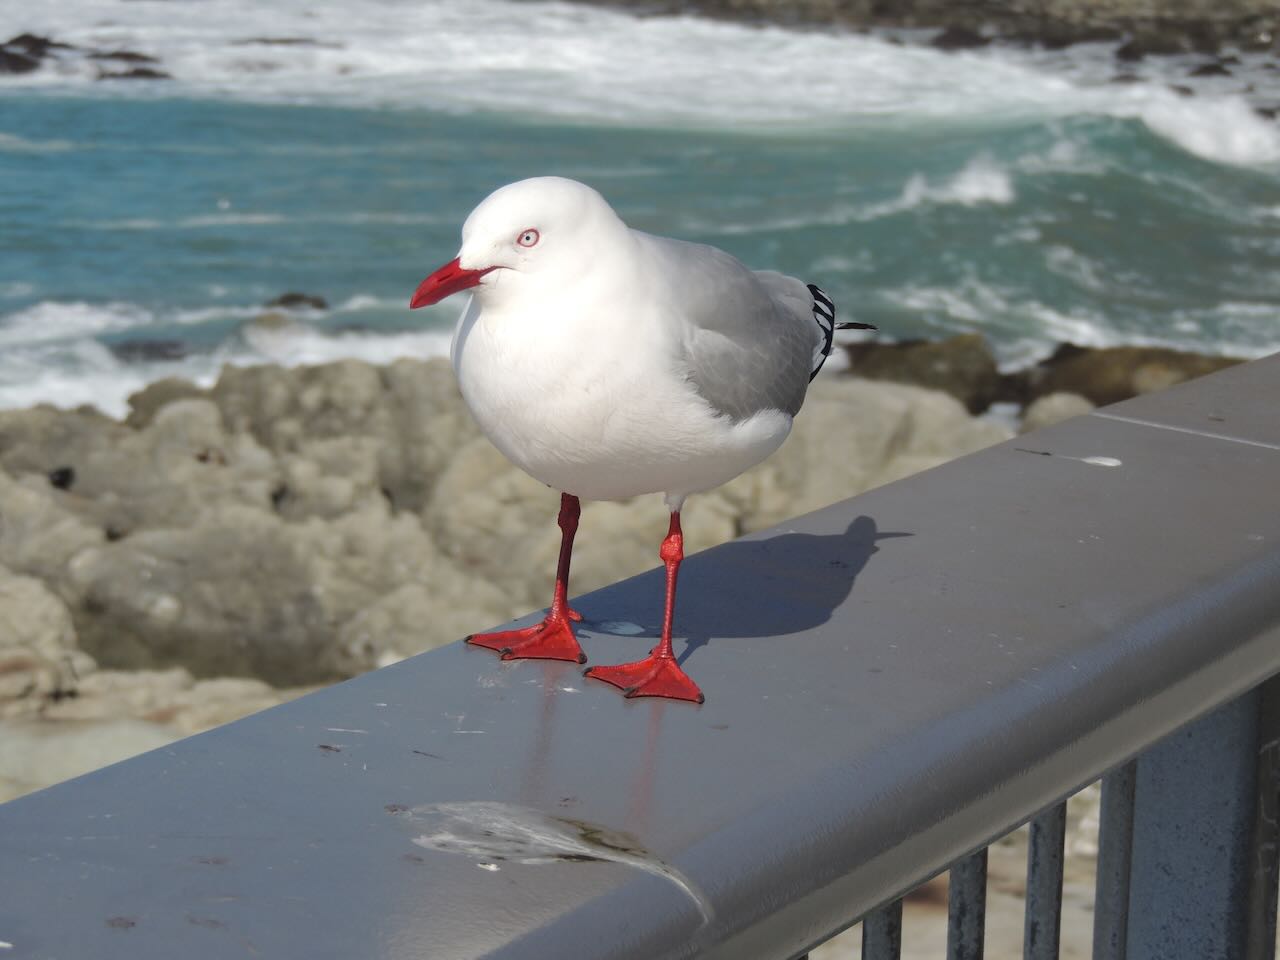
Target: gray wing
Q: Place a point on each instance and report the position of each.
(747, 337)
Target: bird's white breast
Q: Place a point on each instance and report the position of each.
(589, 399)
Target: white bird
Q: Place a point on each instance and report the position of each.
(609, 363)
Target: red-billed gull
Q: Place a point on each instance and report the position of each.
(608, 363)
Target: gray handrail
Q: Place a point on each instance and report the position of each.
(891, 682)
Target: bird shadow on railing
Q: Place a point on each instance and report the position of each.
(768, 587)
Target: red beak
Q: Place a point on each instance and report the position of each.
(446, 281)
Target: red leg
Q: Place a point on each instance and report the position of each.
(553, 638)
(657, 675)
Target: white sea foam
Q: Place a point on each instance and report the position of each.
(51, 355)
(563, 59)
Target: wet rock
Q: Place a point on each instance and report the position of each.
(1110, 374)
(293, 300)
(1152, 43)
(137, 73)
(1214, 69)
(962, 366)
(34, 45)
(122, 56)
(13, 62)
(959, 38)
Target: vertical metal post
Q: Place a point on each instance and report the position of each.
(1115, 859)
(1193, 857)
(882, 933)
(1041, 933)
(1260, 940)
(967, 907)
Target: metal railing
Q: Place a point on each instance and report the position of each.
(1221, 831)
(892, 683)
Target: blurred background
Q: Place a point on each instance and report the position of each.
(167, 168)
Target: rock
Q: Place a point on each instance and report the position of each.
(1053, 408)
(1155, 42)
(13, 62)
(182, 464)
(1182, 90)
(38, 535)
(34, 45)
(1110, 374)
(292, 300)
(144, 404)
(1213, 69)
(123, 56)
(137, 73)
(962, 365)
(231, 594)
(39, 658)
(959, 38)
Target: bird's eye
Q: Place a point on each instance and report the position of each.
(528, 238)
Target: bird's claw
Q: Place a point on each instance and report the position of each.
(552, 639)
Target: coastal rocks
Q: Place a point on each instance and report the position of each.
(38, 534)
(1110, 374)
(39, 657)
(229, 595)
(962, 366)
(1149, 29)
(293, 300)
(27, 52)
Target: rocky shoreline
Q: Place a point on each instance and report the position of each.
(1139, 29)
(221, 550)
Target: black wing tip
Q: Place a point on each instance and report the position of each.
(854, 325)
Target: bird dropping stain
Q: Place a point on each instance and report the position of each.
(492, 833)
(1092, 461)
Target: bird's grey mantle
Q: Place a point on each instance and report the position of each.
(890, 681)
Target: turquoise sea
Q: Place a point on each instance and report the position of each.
(335, 149)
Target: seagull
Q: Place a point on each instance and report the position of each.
(609, 363)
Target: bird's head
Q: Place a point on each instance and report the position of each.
(526, 235)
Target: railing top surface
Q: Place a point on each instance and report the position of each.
(890, 682)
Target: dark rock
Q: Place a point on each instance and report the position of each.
(13, 62)
(1182, 90)
(137, 73)
(1058, 36)
(1154, 43)
(34, 45)
(134, 351)
(1215, 69)
(1125, 78)
(292, 300)
(287, 42)
(62, 477)
(124, 56)
(963, 366)
(1110, 374)
(959, 38)
(1267, 113)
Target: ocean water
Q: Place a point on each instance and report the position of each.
(336, 148)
